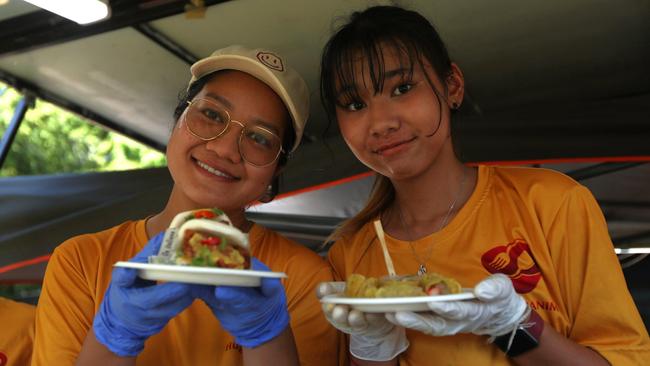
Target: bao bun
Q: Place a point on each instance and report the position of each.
(227, 230)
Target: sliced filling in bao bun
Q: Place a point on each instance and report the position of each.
(429, 284)
(208, 238)
(213, 214)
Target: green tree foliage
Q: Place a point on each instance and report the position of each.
(51, 140)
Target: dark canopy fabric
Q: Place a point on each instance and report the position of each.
(39, 212)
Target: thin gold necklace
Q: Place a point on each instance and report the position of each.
(422, 269)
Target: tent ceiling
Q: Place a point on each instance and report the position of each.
(544, 79)
(13, 9)
(573, 71)
(123, 91)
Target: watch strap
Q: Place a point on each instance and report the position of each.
(525, 338)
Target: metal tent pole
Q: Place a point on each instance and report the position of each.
(12, 129)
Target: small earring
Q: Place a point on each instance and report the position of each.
(454, 105)
(268, 194)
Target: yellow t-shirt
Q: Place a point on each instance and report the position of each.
(79, 272)
(552, 241)
(16, 332)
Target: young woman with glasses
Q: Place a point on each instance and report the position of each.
(243, 112)
(532, 244)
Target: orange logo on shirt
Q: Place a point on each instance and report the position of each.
(516, 261)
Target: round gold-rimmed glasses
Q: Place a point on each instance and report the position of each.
(207, 120)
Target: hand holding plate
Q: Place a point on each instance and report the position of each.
(253, 315)
(497, 310)
(372, 337)
(134, 309)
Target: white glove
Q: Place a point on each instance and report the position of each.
(372, 337)
(497, 310)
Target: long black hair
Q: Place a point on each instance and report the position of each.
(367, 35)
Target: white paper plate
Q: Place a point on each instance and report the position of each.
(200, 275)
(391, 304)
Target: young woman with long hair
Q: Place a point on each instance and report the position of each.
(531, 243)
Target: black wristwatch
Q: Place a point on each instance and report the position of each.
(526, 336)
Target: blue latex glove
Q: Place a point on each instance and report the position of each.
(253, 315)
(134, 309)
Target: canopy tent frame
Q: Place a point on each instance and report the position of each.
(42, 28)
(10, 133)
(28, 88)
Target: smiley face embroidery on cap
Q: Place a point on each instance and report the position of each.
(271, 61)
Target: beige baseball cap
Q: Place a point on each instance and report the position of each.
(268, 67)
